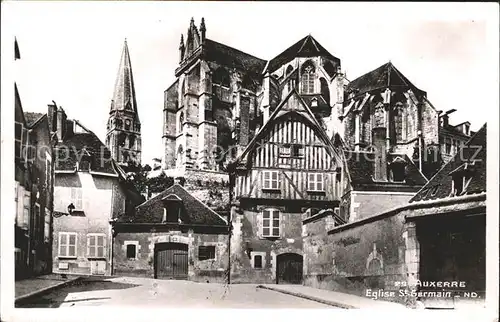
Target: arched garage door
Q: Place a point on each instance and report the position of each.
(289, 268)
(171, 261)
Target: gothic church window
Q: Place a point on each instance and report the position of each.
(221, 77)
(307, 78)
(127, 125)
(325, 91)
(398, 122)
(131, 141)
(378, 116)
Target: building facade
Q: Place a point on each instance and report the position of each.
(89, 191)
(290, 167)
(172, 236)
(34, 173)
(439, 235)
(123, 131)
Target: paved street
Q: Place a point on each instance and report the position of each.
(144, 292)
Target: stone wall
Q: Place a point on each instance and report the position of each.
(210, 270)
(361, 256)
(366, 204)
(247, 241)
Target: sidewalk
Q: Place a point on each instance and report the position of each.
(36, 285)
(343, 300)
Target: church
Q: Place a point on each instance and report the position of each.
(286, 140)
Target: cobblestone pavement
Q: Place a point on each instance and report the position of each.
(142, 292)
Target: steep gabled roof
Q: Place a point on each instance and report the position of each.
(306, 47)
(124, 92)
(382, 77)
(195, 212)
(229, 56)
(75, 145)
(32, 118)
(472, 156)
(283, 109)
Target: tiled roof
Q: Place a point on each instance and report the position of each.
(361, 168)
(306, 47)
(441, 184)
(452, 129)
(32, 117)
(194, 211)
(229, 56)
(384, 76)
(72, 147)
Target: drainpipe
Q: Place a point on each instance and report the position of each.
(419, 133)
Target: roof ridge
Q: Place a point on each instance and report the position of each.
(263, 60)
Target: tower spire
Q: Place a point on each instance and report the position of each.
(123, 136)
(124, 92)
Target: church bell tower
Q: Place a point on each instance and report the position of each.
(123, 135)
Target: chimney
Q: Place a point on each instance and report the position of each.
(61, 123)
(52, 116)
(379, 142)
(446, 120)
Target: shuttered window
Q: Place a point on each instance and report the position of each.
(271, 223)
(96, 245)
(315, 182)
(77, 198)
(67, 245)
(271, 180)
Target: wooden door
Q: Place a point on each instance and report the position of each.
(171, 261)
(289, 269)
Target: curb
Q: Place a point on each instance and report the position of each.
(45, 290)
(311, 298)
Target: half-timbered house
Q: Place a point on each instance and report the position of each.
(289, 168)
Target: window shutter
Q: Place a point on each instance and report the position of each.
(310, 181)
(88, 245)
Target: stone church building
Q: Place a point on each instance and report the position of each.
(286, 140)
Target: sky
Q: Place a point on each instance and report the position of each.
(70, 51)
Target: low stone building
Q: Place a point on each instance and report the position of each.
(438, 236)
(172, 236)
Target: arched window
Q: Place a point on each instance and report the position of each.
(325, 91)
(398, 122)
(121, 139)
(127, 125)
(221, 77)
(181, 122)
(131, 141)
(289, 70)
(307, 78)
